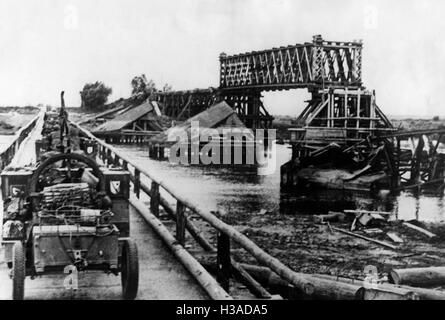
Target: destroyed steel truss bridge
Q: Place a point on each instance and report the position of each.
(320, 63)
(315, 65)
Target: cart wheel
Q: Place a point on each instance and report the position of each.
(129, 270)
(19, 272)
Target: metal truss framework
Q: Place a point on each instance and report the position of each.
(181, 105)
(320, 63)
(317, 65)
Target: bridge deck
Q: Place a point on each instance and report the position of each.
(161, 276)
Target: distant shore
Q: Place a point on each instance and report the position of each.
(13, 118)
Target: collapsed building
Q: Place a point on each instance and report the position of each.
(128, 122)
(216, 133)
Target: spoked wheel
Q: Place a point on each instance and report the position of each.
(129, 270)
(18, 271)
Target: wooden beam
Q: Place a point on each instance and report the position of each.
(154, 198)
(223, 260)
(381, 243)
(418, 277)
(207, 282)
(180, 222)
(253, 286)
(419, 229)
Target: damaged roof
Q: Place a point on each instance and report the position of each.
(126, 118)
(220, 115)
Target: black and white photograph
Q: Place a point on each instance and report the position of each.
(252, 152)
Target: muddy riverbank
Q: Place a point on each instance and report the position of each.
(308, 247)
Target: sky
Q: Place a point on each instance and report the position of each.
(51, 45)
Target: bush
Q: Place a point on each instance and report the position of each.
(142, 88)
(94, 95)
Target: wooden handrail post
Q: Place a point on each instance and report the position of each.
(180, 222)
(154, 198)
(102, 153)
(116, 161)
(223, 260)
(137, 182)
(11, 153)
(124, 165)
(109, 157)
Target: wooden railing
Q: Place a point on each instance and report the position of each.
(307, 284)
(8, 154)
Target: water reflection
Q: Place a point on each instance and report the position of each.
(420, 206)
(240, 192)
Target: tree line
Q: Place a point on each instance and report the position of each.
(95, 95)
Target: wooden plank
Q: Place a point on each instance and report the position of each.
(254, 287)
(154, 198)
(418, 277)
(223, 260)
(180, 222)
(366, 211)
(394, 237)
(379, 293)
(137, 182)
(381, 243)
(419, 229)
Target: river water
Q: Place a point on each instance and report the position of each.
(240, 192)
(5, 141)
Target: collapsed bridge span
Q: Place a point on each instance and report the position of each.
(243, 77)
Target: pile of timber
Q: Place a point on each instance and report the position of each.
(339, 287)
(363, 217)
(358, 290)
